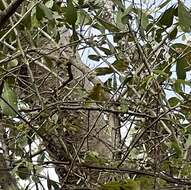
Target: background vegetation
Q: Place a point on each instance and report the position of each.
(98, 90)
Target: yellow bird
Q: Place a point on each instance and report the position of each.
(97, 93)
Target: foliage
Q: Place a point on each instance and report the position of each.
(98, 90)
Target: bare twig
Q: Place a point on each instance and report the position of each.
(9, 11)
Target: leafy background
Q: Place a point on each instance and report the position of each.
(141, 53)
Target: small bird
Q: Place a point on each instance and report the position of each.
(97, 93)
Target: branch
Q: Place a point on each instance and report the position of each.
(93, 108)
(139, 136)
(7, 13)
(160, 175)
(70, 76)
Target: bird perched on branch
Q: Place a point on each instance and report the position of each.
(97, 93)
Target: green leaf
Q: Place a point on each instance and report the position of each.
(9, 96)
(126, 16)
(83, 18)
(166, 19)
(34, 21)
(108, 26)
(112, 48)
(114, 82)
(125, 19)
(105, 50)
(119, 4)
(70, 13)
(179, 84)
(23, 172)
(163, 4)
(144, 20)
(127, 79)
(99, 27)
(173, 34)
(173, 101)
(184, 47)
(27, 21)
(176, 148)
(158, 36)
(160, 72)
(120, 65)
(55, 185)
(181, 65)
(142, 17)
(94, 57)
(103, 71)
(43, 11)
(39, 13)
(186, 170)
(184, 17)
(119, 23)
